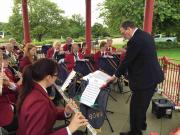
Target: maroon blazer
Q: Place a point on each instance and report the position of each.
(50, 53)
(69, 59)
(38, 114)
(23, 63)
(7, 99)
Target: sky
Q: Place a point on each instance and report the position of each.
(69, 6)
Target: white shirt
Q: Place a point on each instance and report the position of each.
(134, 31)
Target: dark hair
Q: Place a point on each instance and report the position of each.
(102, 44)
(127, 24)
(35, 72)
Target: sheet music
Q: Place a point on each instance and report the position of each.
(68, 80)
(96, 80)
(91, 91)
(98, 75)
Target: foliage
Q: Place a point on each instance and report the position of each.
(46, 20)
(166, 14)
(99, 31)
(167, 45)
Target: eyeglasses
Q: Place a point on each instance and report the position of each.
(56, 75)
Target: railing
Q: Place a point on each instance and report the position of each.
(171, 85)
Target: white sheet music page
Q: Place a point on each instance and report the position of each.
(98, 75)
(68, 80)
(91, 91)
(101, 76)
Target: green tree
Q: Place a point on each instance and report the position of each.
(76, 25)
(99, 31)
(45, 18)
(166, 14)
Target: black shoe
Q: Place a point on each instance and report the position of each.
(125, 133)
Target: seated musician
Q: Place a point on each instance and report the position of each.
(100, 53)
(71, 58)
(8, 97)
(67, 47)
(109, 48)
(36, 112)
(9, 50)
(29, 56)
(16, 47)
(83, 50)
(51, 51)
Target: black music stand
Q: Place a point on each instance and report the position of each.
(83, 67)
(99, 109)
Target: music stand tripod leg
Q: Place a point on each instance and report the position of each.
(112, 130)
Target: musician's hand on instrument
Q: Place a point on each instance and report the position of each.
(19, 74)
(70, 105)
(77, 121)
(5, 79)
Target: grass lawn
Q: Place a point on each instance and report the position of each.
(170, 53)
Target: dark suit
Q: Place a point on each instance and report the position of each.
(38, 114)
(144, 73)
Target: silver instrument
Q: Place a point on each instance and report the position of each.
(90, 128)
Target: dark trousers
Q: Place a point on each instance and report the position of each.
(139, 104)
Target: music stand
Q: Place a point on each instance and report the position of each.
(83, 67)
(96, 114)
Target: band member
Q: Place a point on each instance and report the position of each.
(8, 97)
(29, 56)
(83, 50)
(109, 48)
(68, 46)
(18, 48)
(13, 57)
(100, 53)
(51, 51)
(71, 58)
(36, 112)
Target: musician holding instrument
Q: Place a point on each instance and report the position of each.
(54, 49)
(71, 58)
(100, 53)
(68, 46)
(109, 48)
(29, 56)
(8, 96)
(17, 48)
(36, 112)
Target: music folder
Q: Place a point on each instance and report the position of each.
(96, 80)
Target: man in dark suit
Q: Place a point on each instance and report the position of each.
(144, 73)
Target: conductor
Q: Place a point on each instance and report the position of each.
(144, 73)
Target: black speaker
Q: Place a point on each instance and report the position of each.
(162, 108)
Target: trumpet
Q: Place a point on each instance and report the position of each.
(76, 110)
